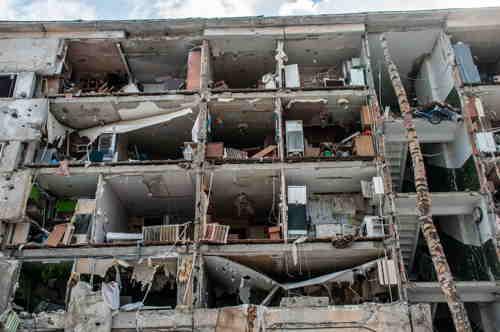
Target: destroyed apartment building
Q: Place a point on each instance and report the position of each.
(333, 173)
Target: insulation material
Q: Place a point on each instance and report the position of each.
(131, 125)
(329, 209)
(85, 206)
(144, 273)
(96, 266)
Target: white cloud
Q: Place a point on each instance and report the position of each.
(201, 8)
(46, 10)
(306, 7)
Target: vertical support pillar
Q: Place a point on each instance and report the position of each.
(457, 308)
(10, 273)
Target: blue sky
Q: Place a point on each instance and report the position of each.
(140, 9)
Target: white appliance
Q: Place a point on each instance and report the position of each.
(357, 77)
(297, 195)
(294, 133)
(372, 226)
(486, 142)
(292, 77)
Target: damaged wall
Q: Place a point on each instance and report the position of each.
(111, 215)
(366, 317)
(43, 55)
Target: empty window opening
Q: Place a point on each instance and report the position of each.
(7, 84)
(247, 202)
(331, 61)
(242, 129)
(42, 287)
(241, 63)
(233, 282)
(328, 128)
(60, 211)
(128, 66)
(150, 208)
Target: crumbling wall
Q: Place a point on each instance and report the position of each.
(14, 192)
(393, 317)
(111, 215)
(43, 55)
(87, 311)
(10, 270)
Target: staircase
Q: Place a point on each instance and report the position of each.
(395, 155)
(408, 227)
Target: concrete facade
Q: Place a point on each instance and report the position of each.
(152, 163)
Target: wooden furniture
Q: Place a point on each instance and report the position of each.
(366, 117)
(165, 233)
(215, 233)
(363, 146)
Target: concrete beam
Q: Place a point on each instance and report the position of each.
(69, 254)
(469, 291)
(450, 203)
(427, 132)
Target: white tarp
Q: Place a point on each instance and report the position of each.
(131, 125)
(111, 294)
(344, 275)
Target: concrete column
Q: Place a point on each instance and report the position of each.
(10, 273)
(489, 315)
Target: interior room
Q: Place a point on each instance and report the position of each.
(327, 202)
(128, 131)
(42, 287)
(129, 66)
(242, 62)
(242, 129)
(146, 285)
(7, 85)
(232, 283)
(328, 126)
(476, 53)
(153, 207)
(59, 212)
(330, 60)
(409, 59)
(246, 200)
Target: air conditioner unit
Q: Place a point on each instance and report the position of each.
(294, 137)
(106, 144)
(372, 226)
(486, 142)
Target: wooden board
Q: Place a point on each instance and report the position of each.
(366, 117)
(262, 153)
(56, 235)
(21, 232)
(364, 146)
(68, 234)
(215, 150)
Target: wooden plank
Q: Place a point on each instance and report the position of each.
(262, 153)
(68, 234)
(56, 235)
(366, 117)
(21, 232)
(364, 146)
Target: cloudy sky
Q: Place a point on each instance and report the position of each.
(138, 9)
